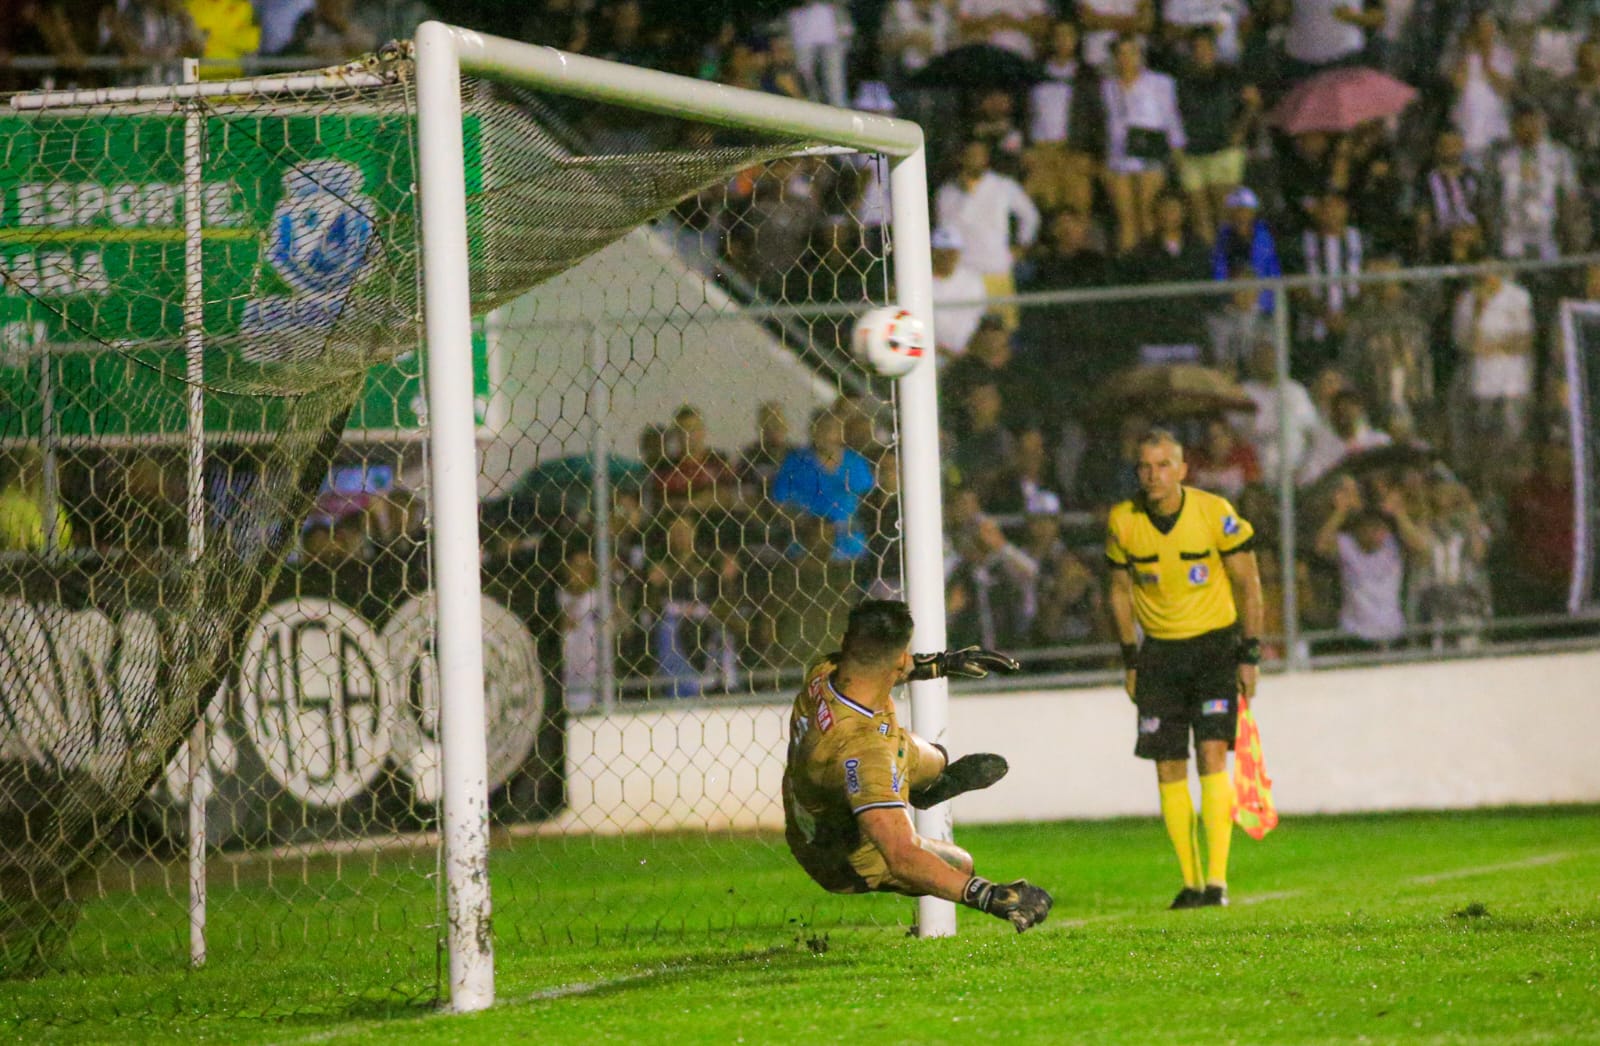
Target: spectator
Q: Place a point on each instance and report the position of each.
(759, 461)
(1351, 425)
(1014, 25)
(1170, 330)
(22, 505)
(1369, 547)
(1217, 107)
(1330, 248)
(1364, 171)
(958, 295)
(154, 31)
(914, 33)
(1173, 253)
(1023, 483)
(1224, 464)
(991, 597)
(981, 205)
(1065, 129)
(1110, 472)
(1305, 173)
(809, 598)
(1575, 119)
(827, 480)
(687, 611)
(1312, 446)
(1246, 241)
(1143, 130)
(1234, 330)
(1386, 354)
(331, 32)
(698, 477)
(1451, 194)
(985, 448)
(774, 231)
(1482, 68)
(1322, 34)
(780, 73)
(1069, 604)
(1449, 589)
(1493, 334)
(880, 513)
(820, 31)
(989, 358)
(624, 39)
(1104, 21)
(1221, 20)
(1070, 259)
(579, 623)
(994, 124)
(1539, 534)
(1537, 186)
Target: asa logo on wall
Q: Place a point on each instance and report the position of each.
(322, 707)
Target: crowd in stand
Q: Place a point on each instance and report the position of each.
(1143, 144)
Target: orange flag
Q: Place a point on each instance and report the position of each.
(1252, 788)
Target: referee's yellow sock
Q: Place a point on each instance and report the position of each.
(1177, 810)
(1216, 813)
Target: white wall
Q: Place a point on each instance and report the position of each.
(1450, 735)
(709, 355)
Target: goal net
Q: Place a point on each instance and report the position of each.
(218, 508)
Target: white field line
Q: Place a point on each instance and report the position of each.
(1490, 869)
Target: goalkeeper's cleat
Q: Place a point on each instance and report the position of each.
(970, 772)
(1214, 897)
(1188, 897)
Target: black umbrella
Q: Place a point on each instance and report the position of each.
(979, 66)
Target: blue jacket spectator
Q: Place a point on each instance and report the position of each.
(828, 480)
(1245, 240)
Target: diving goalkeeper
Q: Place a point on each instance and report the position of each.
(853, 772)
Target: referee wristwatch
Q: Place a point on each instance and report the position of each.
(1248, 652)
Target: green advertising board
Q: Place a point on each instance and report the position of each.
(299, 208)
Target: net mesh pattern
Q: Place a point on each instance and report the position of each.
(263, 589)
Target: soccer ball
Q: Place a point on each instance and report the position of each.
(890, 341)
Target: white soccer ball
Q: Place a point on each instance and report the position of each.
(890, 341)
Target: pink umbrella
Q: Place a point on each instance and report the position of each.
(1340, 100)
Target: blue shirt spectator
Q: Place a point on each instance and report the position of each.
(828, 480)
(1246, 241)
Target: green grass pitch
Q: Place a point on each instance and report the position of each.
(1422, 928)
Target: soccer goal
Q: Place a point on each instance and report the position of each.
(357, 424)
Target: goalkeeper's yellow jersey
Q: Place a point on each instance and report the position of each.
(843, 758)
(1180, 587)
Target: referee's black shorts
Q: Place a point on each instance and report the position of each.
(1184, 686)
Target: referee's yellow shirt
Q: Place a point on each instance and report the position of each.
(1180, 588)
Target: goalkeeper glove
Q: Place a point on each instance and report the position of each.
(971, 662)
(1021, 902)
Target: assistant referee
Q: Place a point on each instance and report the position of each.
(1169, 549)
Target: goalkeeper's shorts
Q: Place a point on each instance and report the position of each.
(840, 870)
(1187, 686)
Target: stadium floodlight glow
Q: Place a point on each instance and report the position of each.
(443, 55)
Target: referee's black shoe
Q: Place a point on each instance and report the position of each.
(970, 772)
(1187, 898)
(1214, 897)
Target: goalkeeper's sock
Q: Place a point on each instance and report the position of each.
(1216, 813)
(1177, 810)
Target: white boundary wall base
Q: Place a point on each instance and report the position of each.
(444, 55)
(1452, 735)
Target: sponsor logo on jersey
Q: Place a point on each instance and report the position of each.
(1217, 707)
(1230, 525)
(824, 717)
(883, 728)
(1199, 574)
(1149, 724)
(894, 780)
(852, 776)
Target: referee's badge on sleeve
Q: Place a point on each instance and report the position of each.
(1230, 525)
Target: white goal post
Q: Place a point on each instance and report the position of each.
(444, 54)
